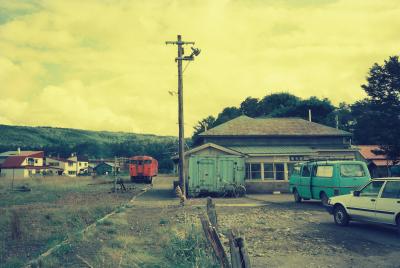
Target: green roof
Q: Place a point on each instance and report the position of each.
(285, 127)
(267, 150)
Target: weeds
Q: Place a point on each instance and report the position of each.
(189, 249)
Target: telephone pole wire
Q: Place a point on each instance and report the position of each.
(179, 59)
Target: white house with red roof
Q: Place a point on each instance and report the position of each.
(21, 164)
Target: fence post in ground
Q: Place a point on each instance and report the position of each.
(213, 239)
(239, 255)
(212, 213)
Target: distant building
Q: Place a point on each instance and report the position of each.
(106, 168)
(82, 164)
(272, 146)
(378, 164)
(21, 164)
(66, 167)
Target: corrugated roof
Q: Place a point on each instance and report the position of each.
(246, 126)
(267, 150)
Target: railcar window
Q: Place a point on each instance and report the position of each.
(352, 170)
(147, 161)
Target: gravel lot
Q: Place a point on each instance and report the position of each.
(281, 233)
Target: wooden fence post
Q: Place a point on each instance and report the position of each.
(212, 213)
(239, 255)
(213, 239)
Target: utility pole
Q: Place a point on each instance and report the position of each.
(179, 59)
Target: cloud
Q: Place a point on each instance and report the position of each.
(104, 64)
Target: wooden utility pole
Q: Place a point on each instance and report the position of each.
(179, 60)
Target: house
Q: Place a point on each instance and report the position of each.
(66, 167)
(21, 164)
(82, 164)
(106, 168)
(378, 164)
(272, 146)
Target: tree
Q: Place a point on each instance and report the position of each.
(383, 89)
(227, 114)
(201, 126)
(277, 103)
(250, 107)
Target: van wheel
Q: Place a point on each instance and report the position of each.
(324, 198)
(297, 197)
(340, 216)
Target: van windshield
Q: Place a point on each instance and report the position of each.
(352, 170)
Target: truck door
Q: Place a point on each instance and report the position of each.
(305, 182)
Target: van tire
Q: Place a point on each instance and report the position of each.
(324, 198)
(297, 197)
(340, 216)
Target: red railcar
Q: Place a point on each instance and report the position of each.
(143, 168)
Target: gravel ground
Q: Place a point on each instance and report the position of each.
(281, 233)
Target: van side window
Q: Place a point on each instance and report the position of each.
(324, 171)
(352, 170)
(305, 172)
(392, 190)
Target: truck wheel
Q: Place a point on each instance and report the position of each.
(340, 216)
(297, 197)
(324, 198)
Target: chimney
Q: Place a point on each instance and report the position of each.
(19, 151)
(309, 115)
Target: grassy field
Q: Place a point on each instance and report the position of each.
(56, 208)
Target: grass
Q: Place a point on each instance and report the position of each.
(54, 209)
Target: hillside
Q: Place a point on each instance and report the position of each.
(64, 141)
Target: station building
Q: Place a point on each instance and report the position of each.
(272, 146)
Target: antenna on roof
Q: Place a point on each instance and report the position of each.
(309, 115)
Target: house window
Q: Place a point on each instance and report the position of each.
(31, 161)
(70, 164)
(253, 171)
(36, 161)
(279, 171)
(269, 171)
(86, 164)
(71, 172)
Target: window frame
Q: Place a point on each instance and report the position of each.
(326, 177)
(342, 176)
(384, 188)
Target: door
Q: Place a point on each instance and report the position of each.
(305, 182)
(206, 174)
(388, 204)
(362, 207)
(226, 171)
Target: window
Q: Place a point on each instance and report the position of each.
(70, 164)
(293, 169)
(352, 170)
(372, 189)
(147, 161)
(31, 161)
(269, 171)
(391, 190)
(280, 171)
(80, 164)
(36, 161)
(306, 172)
(324, 171)
(253, 171)
(71, 172)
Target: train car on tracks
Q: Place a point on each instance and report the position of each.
(143, 168)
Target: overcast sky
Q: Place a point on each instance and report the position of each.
(104, 65)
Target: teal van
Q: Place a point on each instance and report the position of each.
(321, 180)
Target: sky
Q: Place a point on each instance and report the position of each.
(104, 65)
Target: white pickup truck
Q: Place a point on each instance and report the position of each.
(376, 202)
